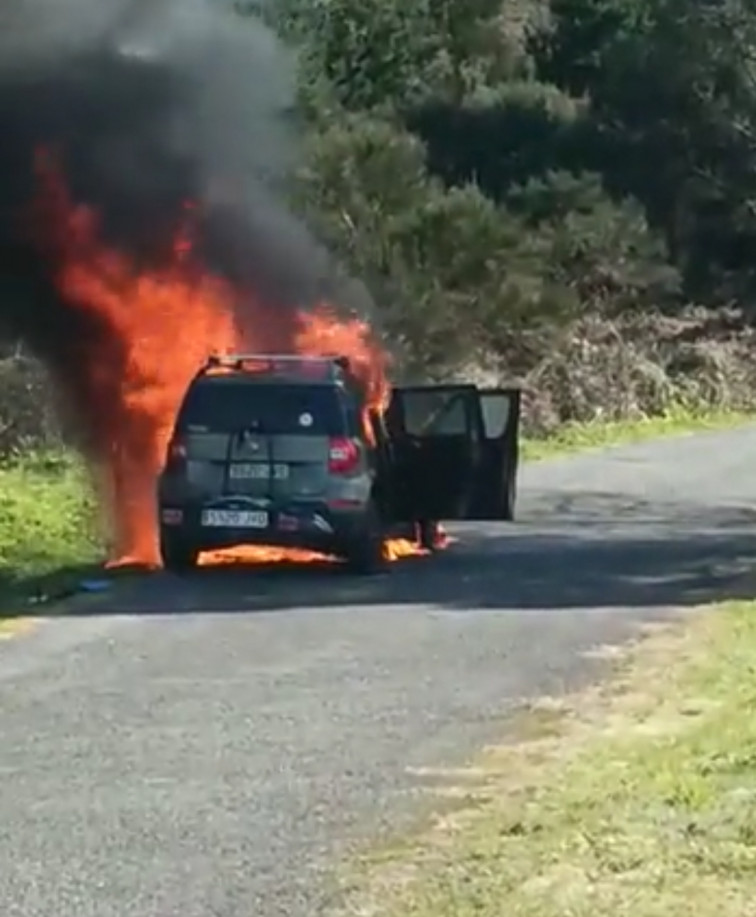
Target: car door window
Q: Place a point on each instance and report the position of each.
(436, 414)
(495, 409)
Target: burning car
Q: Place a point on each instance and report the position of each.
(143, 225)
(291, 450)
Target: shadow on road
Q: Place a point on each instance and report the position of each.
(585, 551)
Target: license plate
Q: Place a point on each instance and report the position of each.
(235, 518)
(257, 471)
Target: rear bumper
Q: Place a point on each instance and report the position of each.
(314, 526)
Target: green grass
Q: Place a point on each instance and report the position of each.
(48, 537)
(574, 437)
(636, 801)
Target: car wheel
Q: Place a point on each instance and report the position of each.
(177, 555)
(364, 553)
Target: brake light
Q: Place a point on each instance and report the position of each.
(176, 452)
(343, 455)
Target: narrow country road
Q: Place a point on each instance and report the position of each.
(211, 747)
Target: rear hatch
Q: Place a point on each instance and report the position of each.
(264, 440)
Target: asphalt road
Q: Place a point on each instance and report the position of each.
(211, 747)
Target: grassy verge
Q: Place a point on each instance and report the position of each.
(574, 437)
(636, 800)
(47, 534)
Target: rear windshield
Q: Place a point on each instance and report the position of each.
(223, 406)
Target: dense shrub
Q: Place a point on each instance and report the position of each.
(520, 180)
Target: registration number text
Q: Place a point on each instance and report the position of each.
(235, 518)
(258, 471)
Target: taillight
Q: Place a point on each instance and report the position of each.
(343, 455)
(176, 453)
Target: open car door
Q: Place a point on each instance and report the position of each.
(436, 434)
(496, 478)
(453, 452)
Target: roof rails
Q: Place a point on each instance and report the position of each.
(324, 368)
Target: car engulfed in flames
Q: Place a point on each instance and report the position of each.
(156, 325)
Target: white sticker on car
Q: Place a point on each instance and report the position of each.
(305, 420)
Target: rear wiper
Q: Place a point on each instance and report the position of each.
(251, 430)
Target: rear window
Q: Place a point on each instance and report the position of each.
(222, 406)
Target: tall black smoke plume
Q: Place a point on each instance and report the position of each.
(151, 103)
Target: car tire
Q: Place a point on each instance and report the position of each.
(178, 555)
(364, 553)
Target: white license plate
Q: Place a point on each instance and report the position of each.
(235, 518)
(257, 471)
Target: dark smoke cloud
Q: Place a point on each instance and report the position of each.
(151, 103)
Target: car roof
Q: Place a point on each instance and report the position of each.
(263, 379)
(295, 367)
(271, 370)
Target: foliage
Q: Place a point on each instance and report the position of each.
(509, 169)
(389, 54)
(438, 256)
(48, 526)
(28, 419)
(672, 87)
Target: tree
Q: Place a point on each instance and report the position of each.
(394, 55)
(437, 259)
(673, 95)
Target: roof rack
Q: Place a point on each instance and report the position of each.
(324, 368)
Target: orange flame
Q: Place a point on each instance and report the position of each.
(321, 333)
(155, 328)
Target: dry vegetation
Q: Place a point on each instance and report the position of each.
(641, 366)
